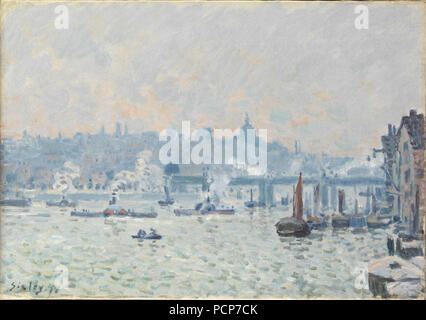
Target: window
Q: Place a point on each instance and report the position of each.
(406, 146)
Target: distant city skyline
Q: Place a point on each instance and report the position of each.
(154, 65)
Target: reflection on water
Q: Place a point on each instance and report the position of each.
(233, 256)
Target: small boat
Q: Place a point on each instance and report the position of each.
(357, 221)
(168, 200)
(19, 201)
(86, 214)
(251, 203)
(316, 223)
(142, 235)
(338, 222)
(15, 203)
(204, 208)
(63, 203)
(373, 222)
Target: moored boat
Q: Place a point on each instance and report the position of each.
(168, 200)
(340, 221)
(251, 203)
(373, 222)
(15, 203)
(18, 201)
(204, 208)
(63, 203)
(294, 226)
(317, 221)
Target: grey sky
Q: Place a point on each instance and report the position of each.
(302, 71)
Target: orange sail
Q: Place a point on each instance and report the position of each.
(299, 199)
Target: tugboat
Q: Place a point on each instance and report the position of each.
(251, 203)
(168, 201)
(340, 221)
(203, 208)
(142, 235)
(19, 201)
(63, 203)
(116, 210)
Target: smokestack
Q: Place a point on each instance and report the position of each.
(389, 129)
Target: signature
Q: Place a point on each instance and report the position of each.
(33, 287)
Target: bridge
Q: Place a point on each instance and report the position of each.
(266, 185)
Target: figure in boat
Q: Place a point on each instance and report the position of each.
(294, 226)
(153, 235)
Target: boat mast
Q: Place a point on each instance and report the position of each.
(316, 199)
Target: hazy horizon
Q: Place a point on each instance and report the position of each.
(301, 71)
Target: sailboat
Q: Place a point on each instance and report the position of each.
(357, 220)
(251, 203)
(374, 220)
(340, 221)
(168, 200)
(316, 221)
(294, 226)
(284, 201)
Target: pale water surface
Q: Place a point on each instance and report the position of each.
(227, 256)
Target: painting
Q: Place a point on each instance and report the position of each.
(205, 150)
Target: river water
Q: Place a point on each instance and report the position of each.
(238, 256)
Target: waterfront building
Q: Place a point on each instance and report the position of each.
(404, 166)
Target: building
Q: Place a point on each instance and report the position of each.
(404, 166)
